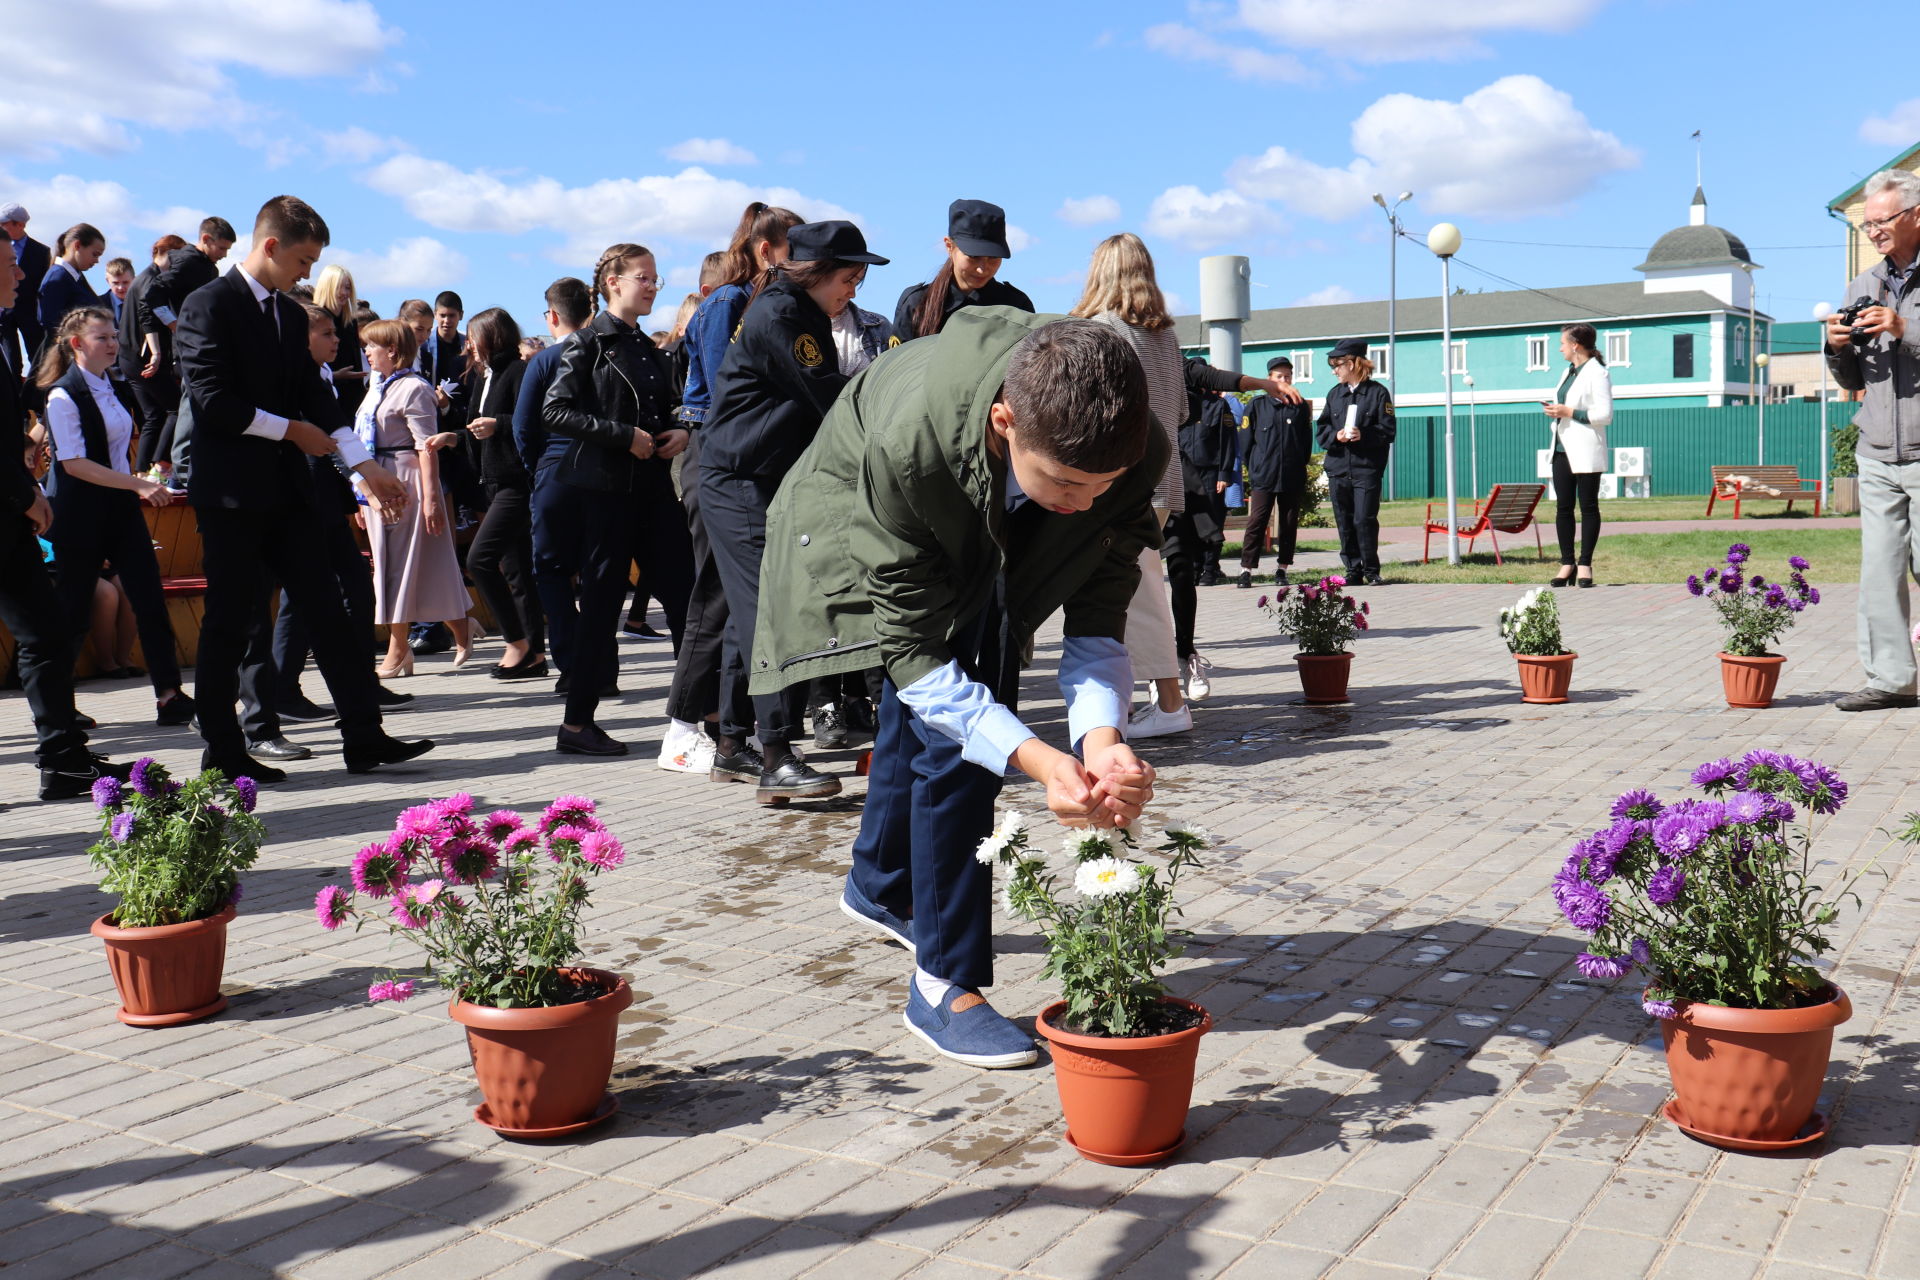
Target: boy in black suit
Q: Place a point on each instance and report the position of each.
(255, 393)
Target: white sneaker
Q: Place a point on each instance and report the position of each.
(1199, 684)
(1151, 722)
(683, 756)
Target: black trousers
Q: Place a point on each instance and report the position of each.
(1262, 506)
(1568, 485)
(42, 644)
(277, 655)
(1356, 510)
(662, 547)
(500, 562)
(735, 510)
(246, 552)
(584, 534)
(158, 399)
(1184, 553)
(92, 525)
(708, 674)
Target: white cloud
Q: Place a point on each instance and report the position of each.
(1089, 211)
(60, 95)
(1519, 146)
(1405, 30)
(58, 202)
(1176, 304)
(1019, 239)
(1900, 127)
(691, 205)
(1198, 220)
(357, 145)
(709, 151)
(419, 264)
(1331, 296)
(1191, 45)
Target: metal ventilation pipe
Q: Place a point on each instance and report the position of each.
(1226, 304)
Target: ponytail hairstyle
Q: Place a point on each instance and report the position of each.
(57, 357)
(933, 307)
(759, 222)
(1120, 279)
(616, 257)
(1585, 338)
(80, 233)
(804, 275)
(493, 334)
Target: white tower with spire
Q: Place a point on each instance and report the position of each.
(1701, 256)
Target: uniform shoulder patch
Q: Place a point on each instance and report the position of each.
(893, 340)
(807, 351)
(736, 331)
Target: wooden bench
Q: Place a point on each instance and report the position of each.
(1762, 484)
(1508, 508)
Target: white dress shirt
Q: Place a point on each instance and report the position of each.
(63, 424)
(271, 426)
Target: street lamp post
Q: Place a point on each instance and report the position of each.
(1393, 293)
(1444, 241)
(1473, 437)
(1761, 360)
(1821, 311)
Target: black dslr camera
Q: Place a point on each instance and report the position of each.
(1849, 315)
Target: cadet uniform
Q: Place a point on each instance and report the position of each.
(1278, 441)
(979, 230)
(1354, 470)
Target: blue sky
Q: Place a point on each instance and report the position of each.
(490, 148)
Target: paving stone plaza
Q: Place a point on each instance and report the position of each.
(1406, 1076)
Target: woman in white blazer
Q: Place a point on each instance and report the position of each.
(1578, 415)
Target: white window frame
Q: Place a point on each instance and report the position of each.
(1625, 338)
(1740, 344)
(1458, 354)
(1382, 358)
(1537, 347)
(1302, 365)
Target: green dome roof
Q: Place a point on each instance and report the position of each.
(1703, 246)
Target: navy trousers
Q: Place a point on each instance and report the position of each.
(31, 611)
(586, 533)
(927, 810)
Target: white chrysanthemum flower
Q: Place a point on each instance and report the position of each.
(1082, 845)
(1192, 830)
(987, 852)
(994, 845)
(1106, 877)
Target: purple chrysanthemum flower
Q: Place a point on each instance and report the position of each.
(331, 906)
(249, 792)
(1747, 807)
(1608, 967)
(1261, 603)
(1640, 951)
(147, 777)
(1796, 606)
(106, 791)
(602, 850)
(1813, 595)
(1738, 553)
(1693, 585)
(1730, 582)
(1714, 773)
(122, 826)
(1798, 563)
(1829, 793)
(1586, 907)
(1658, 1008)
(1666, 885)
(378, 870)
(238, 889)
(1776, 598)
(1678, 834)
(1638, 803)
(500, 824)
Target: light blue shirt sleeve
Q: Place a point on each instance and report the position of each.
(1096, 679)
(1094, 672)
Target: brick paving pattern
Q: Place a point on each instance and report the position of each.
(1406, 1078)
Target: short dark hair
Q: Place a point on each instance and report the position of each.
(218, 228)
(1079, 396)
(317, 314)
(414, 308)
(290, 220)
(571, 300)
(451, 301)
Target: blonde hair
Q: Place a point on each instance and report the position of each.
(688, 305)
(58, 356)
(395, 335)
(1363, 367)
(333, 290)
(1120, 279)
(613, 262)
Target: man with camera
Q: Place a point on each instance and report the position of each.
(1873, 345)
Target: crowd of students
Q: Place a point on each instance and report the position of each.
(383, 472)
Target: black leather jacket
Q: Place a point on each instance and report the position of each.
(612, 382)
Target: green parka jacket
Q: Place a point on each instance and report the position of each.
(889, 532)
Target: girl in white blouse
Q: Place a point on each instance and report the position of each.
(96, 497)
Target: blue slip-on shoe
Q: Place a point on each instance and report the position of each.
(855, 906)
(967, 1029)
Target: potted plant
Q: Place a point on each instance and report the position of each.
(1532, 632)
(173, 853)
(1720, 901)
(1756, 613)
(1123, 1049)
(1324, 622)
(495, 904)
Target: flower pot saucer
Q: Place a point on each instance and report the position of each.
(170, 1019)
(608, 1105)
(1812, 1131)
(1128, 1161)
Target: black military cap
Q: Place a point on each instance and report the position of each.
(978, 229)
(830, 242)
(1348, 347)
(1279, 362)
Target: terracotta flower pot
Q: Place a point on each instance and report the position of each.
(1545, 677)
(167, 974)
(1324, 676)
(1749, 1078)
(544, 1072)
(1749, 682)
(1125, 1098)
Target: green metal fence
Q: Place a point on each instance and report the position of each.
(1682, 445)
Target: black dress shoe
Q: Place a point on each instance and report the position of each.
(521, 670)
(84, 721)
(241, 765)
(304, 710)
(177, 710)
(1875, 700)
(829, 729)
(1374, 580)
(744, 765)
(1246, 579)
(589, 741)
(1279, 577)
(389, 700)
(641, 631)
(862, 724)
(795, 780)
(368, 756)
(277, 749)
(72, 778)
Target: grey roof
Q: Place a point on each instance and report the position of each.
(1706, 246)
(1700, 196)
(1593, 303)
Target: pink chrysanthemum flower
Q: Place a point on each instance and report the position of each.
(413, 904)
(378, 870)
(332, 905)
(460, 802)
(570, 811)
(469, 861)
(564, 842)
(601, 849)
(400, 990)
(524, 841)
(500, 824)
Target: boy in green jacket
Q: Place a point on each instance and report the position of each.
(960, 491)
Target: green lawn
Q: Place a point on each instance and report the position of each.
(1657, 557)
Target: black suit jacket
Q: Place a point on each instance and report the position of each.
(59, 294)
(17, 489)
(22, 324)
(133, 350)
(186, 270)
(232, 364)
